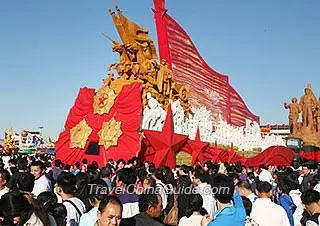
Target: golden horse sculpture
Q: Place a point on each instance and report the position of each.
(138, 63)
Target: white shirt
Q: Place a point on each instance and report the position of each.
(265, 175)
(41, 184)
(193, 220)
(162, 192)
(297, 215)
(252, 197)
(267, 213)
(3, 191)
(206, 192)
(73, 217)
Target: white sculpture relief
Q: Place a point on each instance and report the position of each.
(245, 137)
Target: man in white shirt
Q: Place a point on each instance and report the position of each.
(66, 184)
(205, 190)
(264, 211)
(41, 183)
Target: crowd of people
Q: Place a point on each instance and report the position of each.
(40, 190)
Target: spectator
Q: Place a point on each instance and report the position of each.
(244, 189)
(4, 179)
(125, 181)
(41, 183)
(110, 210)
(205, 190)
(307, 178)
(76, 167)
(229, 212)
(310, 200)
(84, 167)
(59, 213)
(121, 164)
(264, 211)
(56, 170)
(22, 168)
(195, 211)
(66, 184)
(264, 174)
(295, 194)
(248, 206)
(105, 175)
(150, 207)
(19, 211)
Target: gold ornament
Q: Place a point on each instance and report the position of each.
(104, 100)
(110, 133)
(79, 134)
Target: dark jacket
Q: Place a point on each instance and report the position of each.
(141, 219)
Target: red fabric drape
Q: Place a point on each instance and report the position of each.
(127, 109)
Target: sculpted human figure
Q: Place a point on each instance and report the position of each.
(308, 103)
(165, 79)
(294, 111)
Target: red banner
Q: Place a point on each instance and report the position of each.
(208, 87)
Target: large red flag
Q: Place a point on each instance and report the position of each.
(208, 87)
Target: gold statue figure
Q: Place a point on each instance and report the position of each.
(308, 103)
(294, 111)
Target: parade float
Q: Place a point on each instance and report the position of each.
(27, 142)
(156, 108)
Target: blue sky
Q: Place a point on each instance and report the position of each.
(49, 49)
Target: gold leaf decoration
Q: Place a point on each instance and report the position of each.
(79, 134)
(104, 100)
(110, 133)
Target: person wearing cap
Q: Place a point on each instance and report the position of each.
(307, 178)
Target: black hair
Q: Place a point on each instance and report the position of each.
(67, 167)
(146, 199)
(105, 172)
(185, 169)
(48, 200)
(142, 173)
(247, 205)
(57, 163)
(22, 163)
(109, 199)
(225, 188)
(121, 161)
(195, 203)
(284, 185)
(5, 175)
(264, 187)
(25, 182)
(199, 175)
(244, 184)
(59, 213)
(82, 185)
(67, 182)
(310, 196)
(38, 163)
(127, 176)
(77, 164)
(84, 161)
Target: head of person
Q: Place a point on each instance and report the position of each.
(59, 213)
(48, 200)
(66, 184)
(22, 164)
(98, 191)
(121, 163)
(16, 208)
(126, 179)
(57, 163)
(244, 188)
(150, 203)
(109, 212)
(4, 178)
(198, 177)
(84, 161)
(311, 201)
(37, 169)
(25, 182)
(305, 170)
(195, 203)
(148, 182)
(247, 205)
(106, 173)
(264, 189)
(223, 190)
(284, 185)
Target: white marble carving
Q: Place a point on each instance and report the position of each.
(245, 137)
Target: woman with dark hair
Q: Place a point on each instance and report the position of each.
(59, 213)
(48, 199)
(18, 210)
(194, 211)
(183, 184)
(82, 188)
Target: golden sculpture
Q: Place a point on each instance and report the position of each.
(138, 63)
(294, 110)
(104, 98)
(8, 140)
(79, 134)
(110, 133)
(309, 129)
